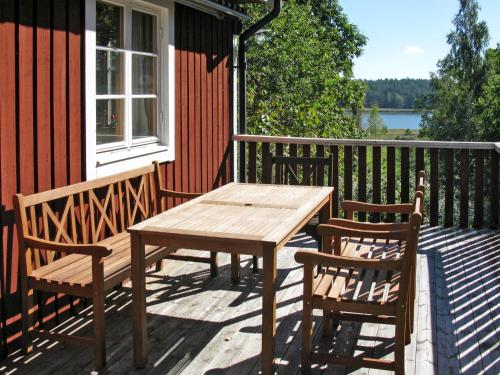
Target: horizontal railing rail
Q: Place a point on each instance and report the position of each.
(462, 177)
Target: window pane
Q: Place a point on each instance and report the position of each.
(143, 32)
(143, 74)
(109, 72)
(109, 25)
(110, 119)
(143, 118)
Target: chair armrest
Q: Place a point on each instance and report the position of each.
(178, 194)
(313, 258)
(402, 208)
(83, 249)
(368, 231)
(346, 223)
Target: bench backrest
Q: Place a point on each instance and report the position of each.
(86, 212)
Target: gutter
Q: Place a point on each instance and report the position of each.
(242, 90)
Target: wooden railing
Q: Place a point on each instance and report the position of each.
(462, 177)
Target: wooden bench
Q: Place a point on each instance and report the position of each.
(369, 278)
(74, 241)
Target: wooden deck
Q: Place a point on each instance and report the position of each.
(200, 325)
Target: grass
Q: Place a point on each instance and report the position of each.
(403, 134)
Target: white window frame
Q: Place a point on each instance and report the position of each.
(102, 160)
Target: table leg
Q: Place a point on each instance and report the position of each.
(138, 278)
(235, 267)
(268, 309)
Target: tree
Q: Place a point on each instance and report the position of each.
(452, 107)
(489, 103)
(300, 79)
(376, 124)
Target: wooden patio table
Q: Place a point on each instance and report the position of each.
(251, 219)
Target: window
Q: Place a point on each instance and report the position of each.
(128, 114)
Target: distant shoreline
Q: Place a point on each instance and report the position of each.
(392, 110)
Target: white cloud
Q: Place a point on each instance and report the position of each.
(413, 50)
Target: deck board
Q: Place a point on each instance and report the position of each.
(203, 325)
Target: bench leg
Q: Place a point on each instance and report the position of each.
(98, 309)
(214, 262)
(255, 263)
(27, 319)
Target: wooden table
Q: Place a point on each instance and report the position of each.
(250, 219)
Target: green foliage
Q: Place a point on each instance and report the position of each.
(376, 124)
(395, 93)
(455, 110)
(300, 80)
(489, 102)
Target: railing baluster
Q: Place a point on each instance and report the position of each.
(419, 162)
(320, 170)
(494, 183)
(278, 168)
(347, 172)
(448, 195)
(362, 179)
(391, 179)
(334, 150)
(306, 170)
(464, 188)
(405, 178)
(266, 164)
(434, 182)
(479, 189)
(252, 162)
(293, 167)
(376, 179)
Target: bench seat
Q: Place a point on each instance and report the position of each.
(76, 269)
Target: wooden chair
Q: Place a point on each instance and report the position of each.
(161, 197)
(368, 278)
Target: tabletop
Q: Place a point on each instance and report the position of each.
(255, 212)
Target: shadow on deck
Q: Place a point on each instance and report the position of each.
(200, 325)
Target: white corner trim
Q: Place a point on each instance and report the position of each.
(90, 87)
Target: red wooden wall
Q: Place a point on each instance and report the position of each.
(42, 117)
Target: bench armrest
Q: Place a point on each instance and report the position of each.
(178, 194)
(313, 258)
(351, 206)
(367, 230)
(83, 249)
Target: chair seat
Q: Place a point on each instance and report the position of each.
(76, 269)
(356, 288)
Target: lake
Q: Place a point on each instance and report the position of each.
(396, 120)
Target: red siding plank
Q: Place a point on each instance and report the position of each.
(59, 80)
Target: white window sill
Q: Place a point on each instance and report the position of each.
(116, 161)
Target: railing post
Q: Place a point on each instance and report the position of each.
(362, 179)
(448, 196)
(391, 179)
(405, 178)
(334, 150)
(347, 172)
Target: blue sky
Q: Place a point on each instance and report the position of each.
(406, 38)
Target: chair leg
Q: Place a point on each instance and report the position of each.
(159, 266)
(214, 261)
(327, 324)
(100, 342)
(307, 321)
(27, 319)
(235, 268)
(255, 262)
(399, 348)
